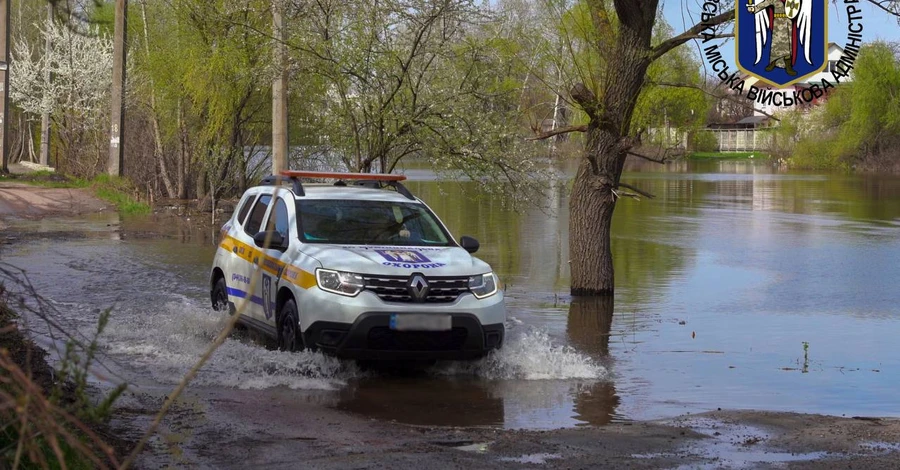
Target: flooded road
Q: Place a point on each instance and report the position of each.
(737, 288)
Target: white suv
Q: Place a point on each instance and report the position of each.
(360, 269)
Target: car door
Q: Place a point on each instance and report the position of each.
(279, 220)
(234, 262)
(252, 256)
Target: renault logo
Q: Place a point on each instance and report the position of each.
(417, 287)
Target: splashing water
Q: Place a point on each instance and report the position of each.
(529, 356)
(167, 341)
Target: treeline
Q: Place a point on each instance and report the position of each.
(458, 84)
(859, 125)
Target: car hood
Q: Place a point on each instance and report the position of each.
(398, 260)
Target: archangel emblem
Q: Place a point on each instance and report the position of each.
(782, 41)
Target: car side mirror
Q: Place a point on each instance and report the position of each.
(469, 244)
(276, 241)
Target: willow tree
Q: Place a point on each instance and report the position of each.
(619, 41)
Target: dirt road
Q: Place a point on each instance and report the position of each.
(29, 201)
(212, 429)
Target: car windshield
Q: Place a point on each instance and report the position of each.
(352, 222)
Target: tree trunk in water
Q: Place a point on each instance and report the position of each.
(594, 193)
(591, 207)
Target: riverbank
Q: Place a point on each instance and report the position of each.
(45, 419)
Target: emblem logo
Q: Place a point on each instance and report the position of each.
(403, 256)
(417, 287)
(781, 42)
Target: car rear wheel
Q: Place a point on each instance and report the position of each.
(220, 295)
(289, 338)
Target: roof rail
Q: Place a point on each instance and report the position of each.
(368, 180)
(273, 180)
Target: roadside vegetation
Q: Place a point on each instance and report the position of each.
(48, 419)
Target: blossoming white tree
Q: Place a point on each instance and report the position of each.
(76, 89)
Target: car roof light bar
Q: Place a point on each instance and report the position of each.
(368, 180)
(344, 176)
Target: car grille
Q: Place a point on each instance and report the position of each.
(393, 288)
(385, 339)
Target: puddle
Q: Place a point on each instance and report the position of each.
(731, 446)
(537, 459)
(737, 446)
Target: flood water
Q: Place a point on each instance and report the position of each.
(721, 281)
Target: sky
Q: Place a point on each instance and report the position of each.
(878, 25)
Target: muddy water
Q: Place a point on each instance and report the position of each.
(721, 281)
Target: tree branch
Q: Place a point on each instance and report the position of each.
(586, 99)
(746, 103)
(693, 33)
(892, 8)
(639, 191)
(561, 130)
(663, 159)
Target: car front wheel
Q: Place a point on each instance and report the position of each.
(219, 295)
(289, 338)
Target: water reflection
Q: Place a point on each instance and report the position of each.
(588, 329)
(419, 400)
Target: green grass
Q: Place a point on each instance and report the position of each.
(117, 191)
(727, 155)
(113, 189)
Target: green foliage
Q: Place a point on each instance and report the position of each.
(118, 192)
(672, 96)
(859, 122)
(702, 141)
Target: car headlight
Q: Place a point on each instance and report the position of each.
(483, 285)
(339, 282)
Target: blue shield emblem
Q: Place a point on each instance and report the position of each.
(781, 42)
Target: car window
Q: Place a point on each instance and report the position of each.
(278, 219)
(369, 223)
(256, 215)
(245, 209)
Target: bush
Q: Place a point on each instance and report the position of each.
(703, 141)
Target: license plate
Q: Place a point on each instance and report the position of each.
(420, 322)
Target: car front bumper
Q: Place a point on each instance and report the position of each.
(371, 338)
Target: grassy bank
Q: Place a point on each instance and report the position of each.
(727, 155)
(115, 190)
(42, 425)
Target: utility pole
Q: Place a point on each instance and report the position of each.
(117, 108)
(45, 116)
(4, 70)
(279, 93)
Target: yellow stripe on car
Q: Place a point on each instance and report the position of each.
(292, 274)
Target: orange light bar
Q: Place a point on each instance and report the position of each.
(343, 176)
